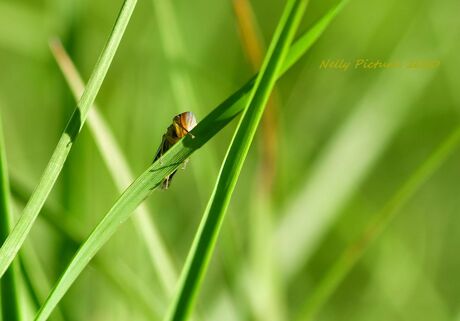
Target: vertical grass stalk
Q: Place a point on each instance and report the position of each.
(206, 237)
(263, 269)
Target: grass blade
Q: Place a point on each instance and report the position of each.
(120, 172)
(14, 241)
(261, 267)
(9, 290)
(205, 239)
(122, 280)
(310, 37)
(153, 176)
(296, 51)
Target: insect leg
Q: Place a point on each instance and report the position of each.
(168, 179)
(184, 164)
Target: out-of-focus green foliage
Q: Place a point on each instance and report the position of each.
(348, 140)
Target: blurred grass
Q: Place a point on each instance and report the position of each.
(342, 266)
(18, 39)
(10, 296)
(410, 271)
(369, 128)
(36, 280)
(19, 233)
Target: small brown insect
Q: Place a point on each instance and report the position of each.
(181, 126)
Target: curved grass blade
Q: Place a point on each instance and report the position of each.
(205, 239)
(124, 281)
(9, 290)
(120, 172)
(338, 271)
(14, 241)
(152, 177)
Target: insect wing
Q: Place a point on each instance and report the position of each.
(188, 120)
(184, 123)
(164, 146)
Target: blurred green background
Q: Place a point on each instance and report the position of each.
(342, 142)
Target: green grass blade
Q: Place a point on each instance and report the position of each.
(337, 272)
(14, 241)
(124, 281)
(120, 172)
(310, 37)
(152, 177)
(304, 42)
(261, 267)
(205, 239)
(9, 290)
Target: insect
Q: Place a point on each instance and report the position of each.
(182, 125)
